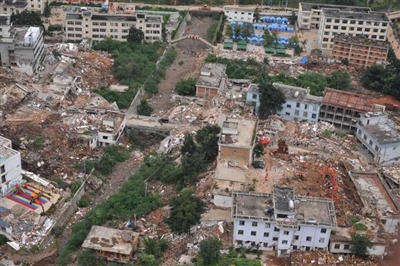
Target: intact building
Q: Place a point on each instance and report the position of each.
(282, 221)
(211, 80)
(96, 27)
(8, 7)
(237, 140)
(369, 24)
(378, 135)
(343, 109)
(235, 13)
(112, 244)
(10, 166)
(309, 13)
(360, 51)
(21, 47)
(299, 105)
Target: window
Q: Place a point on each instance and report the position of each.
(365, 137)
(103, 24)
(276, 229)
(294, 247)
(254, 224)
(327, 26)
(383, 221)
(313, 116)
(239, 242)
(3, 179)
(329, 20)
(321, 240)
(265, 244)
(296, 237)
(241, 222)
(274, 239)
(240, 232)
(253, 233)
(359, 29)
(375, 30)
(96, 24)
(337, 20)
(308, 238)
(305, 114)
(337, 246)
(344, 21)
(286, 233)
(323, 231)
(360, 22)
(351, 28)
(266, 234)
(284, 242)
(267, 225)
(254, 95)
(366, 30)
(288, 106)
(335, 27)
(344, 28)
(370, 142)
(288, 114)
(296, 112)
(298, 105)
(305, 106)
(308, 248)
(346, 247)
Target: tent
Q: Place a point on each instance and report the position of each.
(228, 45)
(242, 45)
(269, 50)
(303, 60)
(263, 26)
(233, 22)
(240, 23)
(256, 26)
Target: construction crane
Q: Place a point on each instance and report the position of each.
(328, 174)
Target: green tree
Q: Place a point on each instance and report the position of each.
(258, 150)
(256, 15)
(188, 146)
(88, 258)
(207, 140)
(155, 247)
(47, 10)
(186, 210)
(144, 108)
(294, 39)
(247, 30)
(339, 80)
(147, 260)
(268, 39)
(27, 18)
(374, 77)
(191, 166)
(210, 251)
(360, 243)
(237, 30)
(3, 240)
(293, 18)
(186, 87)
(228, 30)
(271, 100)
(135, 35)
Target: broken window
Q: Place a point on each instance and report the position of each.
(346, 247)
(284, 242)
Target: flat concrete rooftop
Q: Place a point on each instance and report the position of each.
(110, 240)
(343, 14)
(223, 172)
(239, 130)
(211, 75)
(372, 193)
(5, 142)
(392, 172)
(383, 133)
(309, 210)
(6, 153)
(315, 6)
(363, 41)
(297, 93)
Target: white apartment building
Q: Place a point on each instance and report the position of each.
(369, 24)
(10, 166)
(96, 27)
(309, 13)
(21, 47)
(37, 5)
(378, 135)
(299, 105)
(234, 13)
(282, 221)
(8, 7)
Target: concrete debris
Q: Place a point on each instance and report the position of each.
(298, 258)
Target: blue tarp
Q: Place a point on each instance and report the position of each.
(233, 22)
(263, 26)
(240, 23)
(304, 60)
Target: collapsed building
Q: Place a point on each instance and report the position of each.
(211, 80)
(10, 166)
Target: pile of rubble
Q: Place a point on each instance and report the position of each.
(325, 258)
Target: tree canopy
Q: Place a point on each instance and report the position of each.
(27, 18)
(210, 251)
(47, 10)
(339, 80)
(186, 87)
(144, 108)
(135, 35)
(360, 243)
(186, 210)
(271, 100)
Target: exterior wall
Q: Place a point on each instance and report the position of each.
(222, 201)
(359, 55)
(294, 110)
(329, 27)
(206, 92)
(239, 15)
(107, 138)
(9, 9)
(343, 119)
(88, 28)
(113, 256)
(343, 247)
(10, 173)
(308, 19)
(242, 155)
(381, 153)
(37, 5)
(253, 98)
(266, 235)
(390, 224)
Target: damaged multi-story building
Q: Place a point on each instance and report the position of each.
(21, 47)
(282, 221)
(10, 166)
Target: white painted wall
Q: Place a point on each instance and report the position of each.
(299, 110)
(340, 247)
(12, 173)
(239, 15)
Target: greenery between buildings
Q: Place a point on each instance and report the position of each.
(144, 108)
(360, 243)
(27, 18)
(3, 240)
(239, 69)
(186, 87)
(271, 99)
